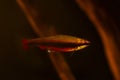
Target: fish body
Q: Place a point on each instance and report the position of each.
(61, 43)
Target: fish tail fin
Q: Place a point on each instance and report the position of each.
(25, 44)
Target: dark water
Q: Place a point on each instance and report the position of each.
(34, 64)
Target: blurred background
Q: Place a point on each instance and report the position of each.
(16, 64)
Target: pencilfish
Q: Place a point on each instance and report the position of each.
(61, 43)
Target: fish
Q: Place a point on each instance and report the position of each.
(61, 43)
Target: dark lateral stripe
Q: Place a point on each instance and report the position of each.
(62, 45)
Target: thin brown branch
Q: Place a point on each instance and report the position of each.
(41, 30)
(106, 28)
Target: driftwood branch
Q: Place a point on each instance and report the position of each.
(108, 31)
(34, 18)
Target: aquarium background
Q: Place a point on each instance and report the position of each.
(34, 64)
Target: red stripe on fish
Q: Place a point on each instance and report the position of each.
(55, 48)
